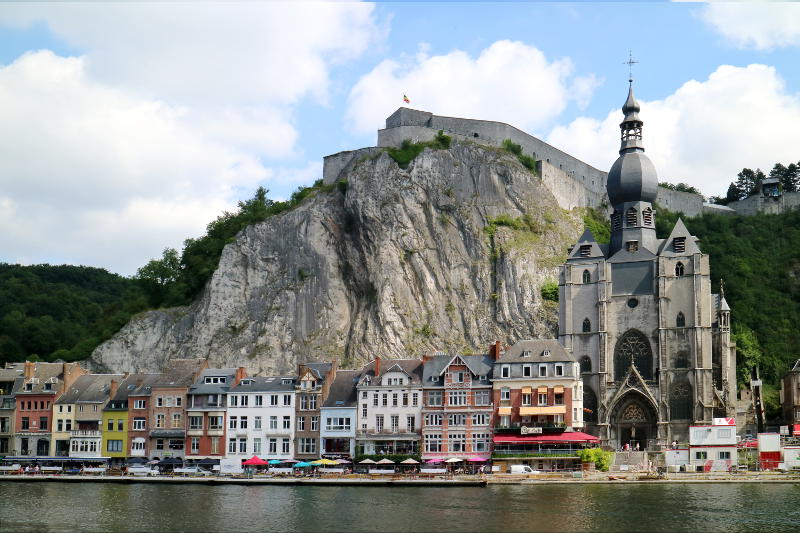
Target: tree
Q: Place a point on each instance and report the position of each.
(734, 193)
(161, 271)
(749, 182)
(789, 176)
(748, 351)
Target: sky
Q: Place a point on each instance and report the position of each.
(128, 127)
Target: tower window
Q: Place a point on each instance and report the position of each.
(587, 325)
(632, 246)
(647, 217)
(586, 250)
(679, 245)
(586, 364)
(630, 217)
(616, 220)
(680, 321)
(587, 277)
(679, 269)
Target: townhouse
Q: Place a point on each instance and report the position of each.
(206, 411)
(10, 380)
(338, 415)
(390, 407)
(139, 404)
(115, 419)
(457, 406)
(313, 382)
(78, 416)
(260, 413)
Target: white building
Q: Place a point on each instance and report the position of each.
(260, 420)
(338, 416)
(390, 407)
(713, 448)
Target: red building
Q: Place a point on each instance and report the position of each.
(206, 412)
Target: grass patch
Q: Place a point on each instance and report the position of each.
(408, 151)
(599, 224)
(526, 160)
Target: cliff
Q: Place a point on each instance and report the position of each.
(448, 254)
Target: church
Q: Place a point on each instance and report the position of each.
(638, 313)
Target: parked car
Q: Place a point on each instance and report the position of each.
(523, 469)
(192, 471)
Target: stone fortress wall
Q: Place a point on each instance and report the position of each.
(572, 182)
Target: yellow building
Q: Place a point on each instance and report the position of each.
(115, 422)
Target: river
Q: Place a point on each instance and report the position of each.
(45, 506)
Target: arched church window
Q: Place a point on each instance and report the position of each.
(587, 325)
(631, 216)
(680, 401)
(647, 217)
(679, 269)
(682, 360)
(586, 364)
(589, 406)
(587, 277)
(616, 220)
(633, 348)
(680, 321)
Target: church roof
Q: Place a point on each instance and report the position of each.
(595, 250)
(667, 247)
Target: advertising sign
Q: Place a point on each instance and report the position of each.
(525, 430)
(725, 421)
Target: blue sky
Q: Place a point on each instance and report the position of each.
(130, 127)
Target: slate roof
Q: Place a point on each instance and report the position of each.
(265, 384)
(667, 247)
(89, 388)
(179, 373)
(319, 369)
(200, 387)
(411, 367)
(44, 372)
(143, 386)
(479, 365)
(342, 392)
(124, 390)
(536, 347)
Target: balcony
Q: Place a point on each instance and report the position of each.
(85, 433)
(385, 433)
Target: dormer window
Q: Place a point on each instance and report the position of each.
(505, 371)
(679, 245)
(631, 217)
(587, 276)
(247, 382)
(286, 381)
(632, 246)
(647, 217)
(546, 353)
(586, 250)
(526, 353)
(216, 379)
(29, 387)
(48, 386)
(679, 269)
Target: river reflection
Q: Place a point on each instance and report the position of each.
(580, 507)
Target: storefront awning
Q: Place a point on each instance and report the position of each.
(503, 411)
(542, 390)
(558, 390)
(526, 390)
(545, 410)
(562, 438)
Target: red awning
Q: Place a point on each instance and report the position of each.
(561, 438)
(255, 460)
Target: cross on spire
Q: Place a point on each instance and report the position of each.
(630, 62)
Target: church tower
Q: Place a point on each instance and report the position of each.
(639, 316)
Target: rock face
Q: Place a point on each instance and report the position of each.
(449, 254)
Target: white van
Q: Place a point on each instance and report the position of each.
(523, 469)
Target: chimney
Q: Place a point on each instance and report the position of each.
(112, 388)
(241, 373)
(377, 366)
(30, 367)
(425, 358)
(71, 372)
(495, 351)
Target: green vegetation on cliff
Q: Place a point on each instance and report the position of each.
(408, 151)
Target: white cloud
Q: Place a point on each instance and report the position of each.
(509, 81)
(170, 113)
(705, 132)
(760, 25)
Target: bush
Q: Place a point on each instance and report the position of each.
(408, 151)
(550, 291)
(601, 458)
(526, 160)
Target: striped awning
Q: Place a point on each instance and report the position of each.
(544, 410)
(526, 390)
(503, 411)
(558, 390)
(542, 390)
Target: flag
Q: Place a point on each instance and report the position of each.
(406, 100)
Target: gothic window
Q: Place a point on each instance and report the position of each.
(633, 413)
(631, 216)
(680, 321)
(680, 401)
(586, 364)
(679, 269)
(682, 360)
(647, 217)
(633, 348)
(589, 406)
(587, 325)
(616, 220)
(587, 277)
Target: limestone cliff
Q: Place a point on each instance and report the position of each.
(404, 261)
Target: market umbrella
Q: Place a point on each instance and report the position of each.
(453, 460)
(170, 461)
(137, 461)
(385, 462)
(255, 460)
(274, 461)
(476, 459)
(367, 462)
(153, 462)
(342, 462)
(302, 464)
(290, 461)
(409, 461)
(327, 462)
(208, 462)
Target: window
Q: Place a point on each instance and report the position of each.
(178, 401)
(378, 423)
(542, 371)
(433, 442)
(585, 250)
(457, 398)
(68, 425)
(273, 422)
(526, 399)
(724, 455)
(632, 246)
(287, 422)
(215, 422)
(137, 445)
(231, 445)
(482, 397)
(233, 401)
(435, 398)
(120, 425)
(139, 404)
(457, 377)
(364, 410)
(586, 364)
(527, 371)
(301, 423)
(559, 370)
(456, 420)
(256, 446)
(196, 422)
(273, 446)
(679, 245)
(414, 399)
(647, 216)
(701, 456)
(243, 445)
(679, 269)
(195, 445)
(395, 421)
(587, 325)
(308, 445)
(314, 423)
(680, 321)
(244, 401)
(243, 422)
(257, 422)
(26, 423)
(480, 442)
(138, 424)
(110, 425)
(631, 217)
(587, 277)
(616, 220)
(480, 420)
(160, 401)
(505, 371)
(176, 420)
(633, 348)
(214, 445)
(411, 423)
(216, 379)
(405, 399)
(724, 433)
(433, 419)
(114, 446)
(364, 395)
(394, 399)
(273, 399)
(232, 421)
(285, 446)
(337, 423)
(456, 442)
(558, 398)
(542, 399)
(385, 399)
(505, 394)
(375, 399)
(287, 400)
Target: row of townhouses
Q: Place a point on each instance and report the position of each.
(438, 406)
